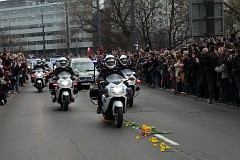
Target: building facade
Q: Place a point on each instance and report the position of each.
(40, 28)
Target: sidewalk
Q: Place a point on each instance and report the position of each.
(170, 91)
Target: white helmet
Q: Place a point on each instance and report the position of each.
(39, 62)
(110, 61)
(63, 62)
(43, 61)
(123, 60)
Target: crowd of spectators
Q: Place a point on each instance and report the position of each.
(210, 70)
(13, 73)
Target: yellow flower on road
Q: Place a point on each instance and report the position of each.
(137, 137)
(146, 128)
(154, 140)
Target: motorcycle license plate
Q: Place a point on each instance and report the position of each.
(84, 84)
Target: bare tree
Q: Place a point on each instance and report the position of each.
(148, 14)
(115, 21)
(232, 16)
(178, 22)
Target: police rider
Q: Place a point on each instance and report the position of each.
(38, 65)
(108, 69)
(123, 64)
(63, 67)
(45, 65)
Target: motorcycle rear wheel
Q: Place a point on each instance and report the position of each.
(130, 101)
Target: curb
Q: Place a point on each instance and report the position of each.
(232, 107)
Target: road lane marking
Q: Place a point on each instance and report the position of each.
(166, 139)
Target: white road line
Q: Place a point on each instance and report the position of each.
(166, 139)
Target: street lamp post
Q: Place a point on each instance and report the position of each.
(43, 33)
(1, 31)
(133, 27)
(10, 37)
(67, 27)
(99, 38)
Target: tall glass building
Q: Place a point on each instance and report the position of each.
(33, 26)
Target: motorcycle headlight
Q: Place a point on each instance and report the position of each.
(65, 83)
(38, 74)
(117, 90)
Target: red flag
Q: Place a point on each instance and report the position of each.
(101, 50)
(89, 51)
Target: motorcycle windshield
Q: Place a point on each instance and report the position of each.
(64, 75)
(128, 72)
(38, 70)
(115, 78)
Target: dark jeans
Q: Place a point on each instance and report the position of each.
(226, 89)
(196, 85)
(15, 87)
(238, 86)
(157, 79)
(211, 87)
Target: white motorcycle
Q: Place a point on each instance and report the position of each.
(114, 98)
(132, 82)
(38, 79)
(65, 90)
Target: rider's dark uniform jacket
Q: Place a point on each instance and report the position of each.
(122, 67)
(105, 72)
(38, 66)
(67, 69)
(46, 65)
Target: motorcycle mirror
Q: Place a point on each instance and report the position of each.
(73, 78)
(131, 78)
(137, 89)
(99, 80)
(105, 83)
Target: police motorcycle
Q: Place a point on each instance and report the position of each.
(130, 74)
(132, 83)
(114, 92)
(65, 89)
(38, 78)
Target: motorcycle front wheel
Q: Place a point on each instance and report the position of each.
(39, 89)
(118, 117)
(65, 103)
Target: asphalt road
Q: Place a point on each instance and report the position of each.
(32, 128)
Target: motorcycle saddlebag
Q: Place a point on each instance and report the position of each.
(94, 92)
(51, 87)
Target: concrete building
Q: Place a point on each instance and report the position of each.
(15, 3)
(26, 28)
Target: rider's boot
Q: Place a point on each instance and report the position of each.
(54, 99)
(72, 99)
(99, 109)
